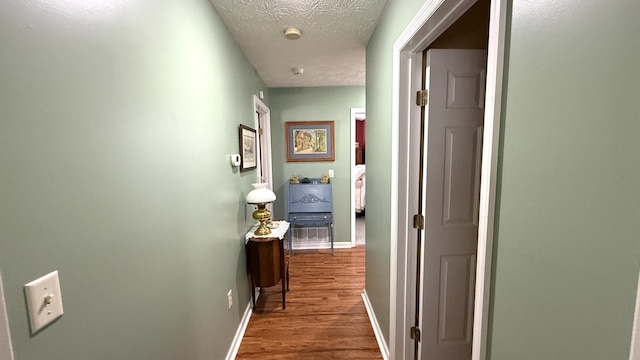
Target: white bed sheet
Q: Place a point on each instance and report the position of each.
(360, 187)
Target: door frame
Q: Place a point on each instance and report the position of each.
(265, 160)
(634, 351)
(433, 19)
(352, 156)
(6, 349)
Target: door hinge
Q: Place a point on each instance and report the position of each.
(418, 221)
(415, 333)
(260, 131)
(422, 97)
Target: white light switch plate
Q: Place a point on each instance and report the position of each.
(44, 301)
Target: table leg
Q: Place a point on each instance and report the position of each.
(253, 294)
(287, 271)
(283, 277)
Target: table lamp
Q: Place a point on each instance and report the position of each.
(261, 196)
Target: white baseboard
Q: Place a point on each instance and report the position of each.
(634, 353)
(237, 339)
(382, 344)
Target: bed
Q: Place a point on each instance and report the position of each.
(360, 175)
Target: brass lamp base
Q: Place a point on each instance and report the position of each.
(263, 215)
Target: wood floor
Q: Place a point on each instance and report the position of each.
(325, 317)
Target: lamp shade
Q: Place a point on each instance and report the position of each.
(261, 194)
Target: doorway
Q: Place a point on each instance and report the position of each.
(430, 22)
(357, 195)
(263, 126)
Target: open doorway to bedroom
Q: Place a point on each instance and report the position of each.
(358, 176)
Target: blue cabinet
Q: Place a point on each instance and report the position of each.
(310, 204)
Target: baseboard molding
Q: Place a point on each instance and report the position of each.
(634, 352)
(382, 344)
(237, 339)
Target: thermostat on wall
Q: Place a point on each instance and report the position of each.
(235, 160)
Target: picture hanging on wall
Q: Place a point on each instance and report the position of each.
(248, 151)
(310, 141)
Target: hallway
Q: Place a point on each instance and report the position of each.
(325, 317)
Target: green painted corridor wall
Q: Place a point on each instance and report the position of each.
(395, 18)
(567, 246)
(316, 103)
(117, 119)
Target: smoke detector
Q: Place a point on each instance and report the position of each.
(292, 33)
(297, 71)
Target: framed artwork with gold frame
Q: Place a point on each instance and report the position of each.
(310, 140)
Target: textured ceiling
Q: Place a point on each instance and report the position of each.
(332, 47)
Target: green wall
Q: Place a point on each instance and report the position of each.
(316, 103)
(567, 240)
(117, 119)
(395, 18)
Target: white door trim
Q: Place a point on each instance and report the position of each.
(634, 352)
(432, 19)
(352, 156)
(6, 350)
(260, 107)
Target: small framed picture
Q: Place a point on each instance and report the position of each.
(248, 148)
(310, 141)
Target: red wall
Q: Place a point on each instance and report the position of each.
(360, 134)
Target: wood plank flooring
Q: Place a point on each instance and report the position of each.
(325, 317)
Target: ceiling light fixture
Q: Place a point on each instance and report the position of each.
(297, 71)
(292, 33)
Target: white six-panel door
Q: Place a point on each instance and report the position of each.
(455, 81)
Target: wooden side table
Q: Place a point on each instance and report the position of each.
(267, 261)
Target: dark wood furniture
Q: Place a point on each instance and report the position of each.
(359, 156)
(310, 204)
(267, 261)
